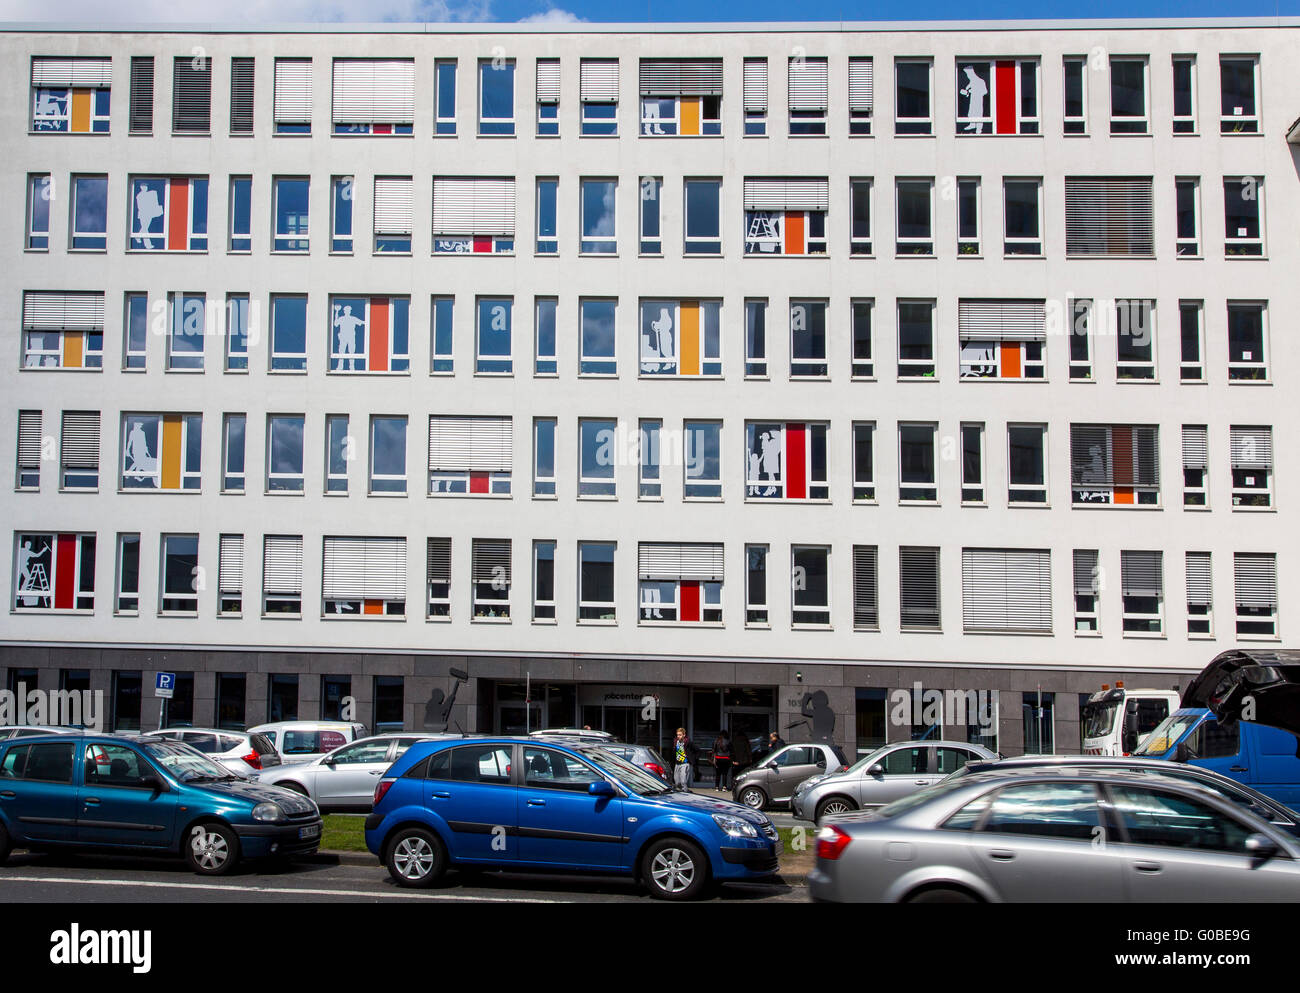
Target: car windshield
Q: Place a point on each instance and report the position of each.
(867, 760)
(185, 763)
(903, 805)
(1099, 718)
(637, 780)
(1167, 734)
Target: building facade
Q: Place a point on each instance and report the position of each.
(644, 377)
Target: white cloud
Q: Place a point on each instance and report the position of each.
(250, 11)
(553, 15)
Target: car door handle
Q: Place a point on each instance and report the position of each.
(92, 801)
(1240, 768)
(921, 782)
(441, 796)
(7, 794)
(537, 803)
(1001, 854)
(1150, 867)
(376, 772)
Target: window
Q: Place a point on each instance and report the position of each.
(293, 96)
(191, 94)
(1243, 216)
(972, 463)
(282, 574)
(679, 583)
(860, 94)
(597, 457)
(1128, 95)
(291, 204)
(544, 457)
(915, 217)
(232, 452)
(548, 242)
(1087, 589)
(1200, 594)
(1247, 339)
(1142, 592)
(240, 235)
(596, 581)
(1026, 464)
(237, 331)
(444, 97)
(288, 334)
(860, 217)
(808, 339)
(438, 579)
(1238, 89)
(918, 589)
(786, 216)
(1002, 339)
(490, 568)
(548, 98)
(161, 451)
(40, 191)
(1075, 92)
(598, 91)
(179, 575)
(374, 96)
(89, 214)
(912, 114)
(364, 577)
(80, 451)
(496, 90)
(1191, 368)
(866, 607)
(342, 199)
(1080, 348)
(241, 96)
(1252, 466)
(54, 572)
(702, 459)
(1255, 581)
(1184, 94)
(703, 223)
(916, 463)
(681, 96)
(786, 461)
(63, 330)
(169, 214)
(186, 331)
(1112, 216)
(474, 216)
(1006, 591)
(915, 339)
(544, 311)
(338, 452)
(755, 97)
(141, 109)
(387, 455)
(127, 600)
(1022, 209)
(651, 242)
(999, 96)
(393, 215)
(807, 88)
(440, 336)
(470, 456)
(597, 338)
(1187, 197)
(71, 95)
(756, 339)
(599, 200)
(650, 486)
(968, 217)
(284, 462)
(860, 314)
(1116, 464)
(681, 338)
(544, 581)
(230, 575)
(756, 586)
(810, 586)
(493, 339)
(1135, 328)
(30, 449)
(1196, 465)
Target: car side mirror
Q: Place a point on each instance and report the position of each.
(153, 782)
(876, 770)
(821, 763)
(1180, 752)
(602, 787)
(1261, 847)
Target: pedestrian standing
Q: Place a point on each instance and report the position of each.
(774, 741)
(741, 755)
(683, 760)
(722, 760)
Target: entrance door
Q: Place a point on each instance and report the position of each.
(512, 719)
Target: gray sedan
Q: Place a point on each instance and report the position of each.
(773, 780)
(1039, 835)
(345, 779)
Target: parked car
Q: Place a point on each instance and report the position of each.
(1044, 834)
(242, 752)
(579, 734)
(32, 730)
(526, 804)
(302, 741)
(641, 755)
(146, 796)
(773, 780)
(345, 779)
(882, 777)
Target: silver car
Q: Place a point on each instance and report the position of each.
(345, 779)
(773, 780)
(241, 752)
(1059, 835)
(882, 777)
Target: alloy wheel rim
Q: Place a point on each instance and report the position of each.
(752, 798)
(210, 848)
(413, 858)
(673, 870)
(836, 807)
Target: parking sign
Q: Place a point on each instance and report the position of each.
(165, 685)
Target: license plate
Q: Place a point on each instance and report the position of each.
(779, 846)
(312, 831)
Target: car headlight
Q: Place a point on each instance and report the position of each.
(268, 812)
(735, 827)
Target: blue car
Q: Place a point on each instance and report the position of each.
(144, 796)
(524, 804)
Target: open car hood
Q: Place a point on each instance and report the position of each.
(1261, 687)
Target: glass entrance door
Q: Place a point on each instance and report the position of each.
(512, 719)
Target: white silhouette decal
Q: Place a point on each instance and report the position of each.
(976, 92)
(148, 208)
(347, 327)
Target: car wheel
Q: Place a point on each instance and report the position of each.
(834, 805)
(212, 849)
(416, 857)
(295, 787)
(752, 796)
(942, 896)
(4, 845)
(675, 869)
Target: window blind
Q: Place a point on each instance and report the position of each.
(394, 204)
(1002, 320)
(755, 86)
(680, 77)
(29, 439)
(667, 562)
(241, 96)
(282, 564)
(861, 87)
(191, 95)
(1255, 577)
(1085, 571)
(230, 568)
(866, 608)
(293, 91)
(1196, 447)
(548, 80)
(1008, 590)
(787, 194)
(1114, 455)
(1141, 574)
(63, 311)
(141, 109)
(807, 80)
(1199, 583)
(490, 559)
(1109, 216)
(438, 560)
(918, 587)
(1252, 448)
(55, 73)
(471, 444)
(364, 569)
(81, 440)
(480, 206)
(374, 91)
(598, 80)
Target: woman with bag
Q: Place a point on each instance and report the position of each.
(722, 760)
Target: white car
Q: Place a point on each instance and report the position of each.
(303, 741)
(245, 753)
(29, 730)
(345, 779)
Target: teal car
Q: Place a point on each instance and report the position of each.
(145, 796)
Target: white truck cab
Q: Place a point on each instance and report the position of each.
(1114, 721)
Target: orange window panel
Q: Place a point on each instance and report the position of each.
(372, 608)
(171, 452)
(690, 115)
(74, 343)
(689, 338)
(1009, 353)
(794, 232)
(377, 346)
(178, 215)
(1124, 494)
(81, 111)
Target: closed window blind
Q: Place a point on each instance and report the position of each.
(293, 91)
(1109, 216)
(1114, 455)
(1256, 580)
(918, 587)
(787, 194)
(478, 206)
(1252, 448)
(1141, 574)
(374, 91)
(490, 560)
(1002, 320)
(241, 96)
(141, 109)
(1007, 590)
(230, 568)
(1196, 447)
(364, 569)
(471, 444)
(680, 77)
(55, 73)
(755, 86)
(57, 311)
(282, 565)
(866, 608)
(191, 95)
(548, 80)
(1085, 571)
(81, 440)
(394, 205)
(861, 87)
(598, 80)
(808, 84)
(29, 439)
(665, 562)
(1199, 583)
(438, 560)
